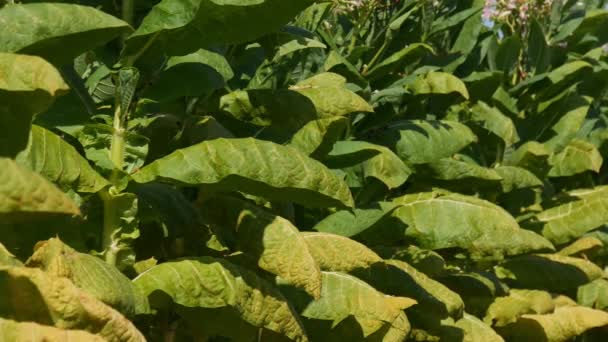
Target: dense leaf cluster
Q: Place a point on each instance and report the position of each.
(261, 170)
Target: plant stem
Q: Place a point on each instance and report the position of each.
(375, 58)
(110, 220)
(109, 225)
(128, 8)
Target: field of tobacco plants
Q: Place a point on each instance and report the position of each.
(306, 170)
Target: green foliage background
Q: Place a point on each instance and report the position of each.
(261, 170)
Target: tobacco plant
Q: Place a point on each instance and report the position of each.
(261, 170)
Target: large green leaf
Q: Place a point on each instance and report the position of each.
(25, 195)
(551, 272)
(594, 294)
(384, 165)
(439, 83)
(215, 283)
(398, 278)
(339, 254)
(506, 310)
(26, 331)
(476, 330)
(28, 85)
(420, 141)
(321, 96)
(514, 178)
(444, 220)
(254, 166)
(587, 210)
(345, 296)
(562, 325)
(59, 162)
(55, 31)
(317, 137)
(577, 157)
(89, 273)
(449, 169)
(532, 156)
(274, 242)
(496, 122)
(32, 295)
(352, 222)
(193, 75)
(182, 26)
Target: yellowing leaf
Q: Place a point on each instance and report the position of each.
(90, 273)
(215, 283)
(560, 326)
(506, 310)
(440, 83)
(32, 295)
(339, 254)
(345, 296)
(24, 195)
(272, 241)
(28, 85)
(32, 332)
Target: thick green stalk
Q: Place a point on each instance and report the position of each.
(109, 226)
(111, 221)
(128, 8)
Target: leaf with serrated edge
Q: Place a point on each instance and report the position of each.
(425, 141)
(24, 195)
(215, 283)
(254, 166)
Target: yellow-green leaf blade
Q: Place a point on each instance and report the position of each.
(25, 195)
(445, 220)
(32, 295)
(25, 331)
(89, 273)
(28, 85)
(59, 162)
(588, 210)
(55, 31)
(215, 283)
(560, 326)
(258, 167)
